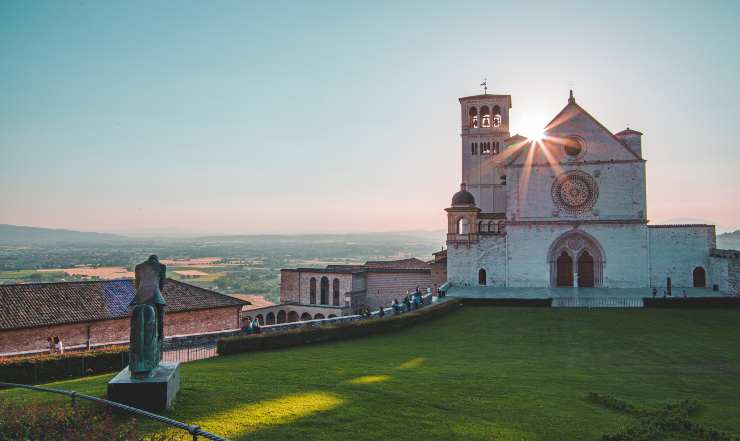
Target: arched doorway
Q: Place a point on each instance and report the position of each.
(585, 270)
(564, 270)
(700, 277)
(482, 277)
(260, 319)
(306, 316)
(318, 316)
(292, 317)
(270, 319)
(281, 316)
(576, 259)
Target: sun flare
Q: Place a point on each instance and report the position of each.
(531, 125)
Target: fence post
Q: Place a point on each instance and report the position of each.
(73, 396)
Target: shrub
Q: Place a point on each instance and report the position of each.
(326, 333)
(61, 423)
(43, 368)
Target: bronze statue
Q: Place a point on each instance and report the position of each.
(147, 318)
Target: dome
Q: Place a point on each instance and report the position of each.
(463, 197)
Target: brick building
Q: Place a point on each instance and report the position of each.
(567, 208)
(336, 290)
(97, 313)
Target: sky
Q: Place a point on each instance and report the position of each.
(293, 117)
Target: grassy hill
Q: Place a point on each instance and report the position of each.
(477, 374)
(19, 235)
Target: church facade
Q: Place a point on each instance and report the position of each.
(566, 210)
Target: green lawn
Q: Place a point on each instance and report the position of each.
(478, 374)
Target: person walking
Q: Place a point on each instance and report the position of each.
(58, 345)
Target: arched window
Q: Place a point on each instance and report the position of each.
(486, 148)
(305, 316)
(281, 316)
(485, 117)
(318, 316)
(324, 290)
(473, 148)
(482, 277)
(270, 320)
(492, 227)
(312, 296)
(462, 226)
(480, 227)
(496, 116)
(335, 293)
(700, 277)
(473, 113)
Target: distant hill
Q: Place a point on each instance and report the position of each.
(729, 241)
(17, 235)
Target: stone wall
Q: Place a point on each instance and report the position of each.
(295, 286)
(289, 286)
(384, 287)
(624, 247)
(465, 260)
(724, 270)
(117, 331)
(675, 251)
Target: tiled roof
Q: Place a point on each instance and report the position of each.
(412, 263)
(45, 304)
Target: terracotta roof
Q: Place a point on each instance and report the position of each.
(254, 301)
(44, 304)
(412, 263)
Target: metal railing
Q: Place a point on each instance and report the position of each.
(597, 302)
(426, 300)
(195, 431)
(190, 353)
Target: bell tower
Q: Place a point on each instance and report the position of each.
(484, 127)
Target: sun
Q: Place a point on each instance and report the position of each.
(531, 125)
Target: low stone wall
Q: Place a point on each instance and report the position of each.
(693, 302)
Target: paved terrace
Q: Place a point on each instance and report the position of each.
(576, 297)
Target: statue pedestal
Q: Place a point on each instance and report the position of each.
(155, 394)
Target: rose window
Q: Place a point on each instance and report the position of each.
(574, 192)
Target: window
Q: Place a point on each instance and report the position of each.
(481, 277)
(485, 148)
(324, 290)
(312, 295)
(462, 226)
(496, 116)
(496, 147)
(474, 148)
(473, 113)
(335, 292)
(573, 146)
(485, 116)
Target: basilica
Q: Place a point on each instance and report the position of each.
(567, 209)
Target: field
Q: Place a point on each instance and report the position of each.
(477, 374)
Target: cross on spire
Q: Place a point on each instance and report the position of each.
(484, 85)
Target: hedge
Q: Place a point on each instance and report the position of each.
(692, 302)
(44, 368)
(327, 333)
